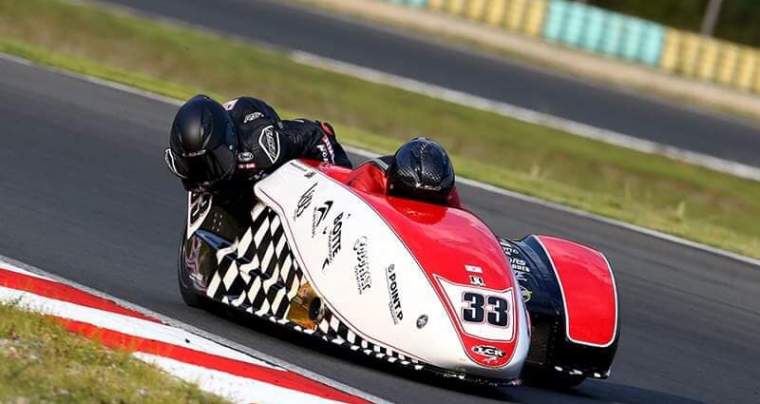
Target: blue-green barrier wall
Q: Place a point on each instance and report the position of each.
(413, 3)
(613, 35)
(610, 34)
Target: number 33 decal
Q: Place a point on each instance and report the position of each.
(479, 307)
(481, 312)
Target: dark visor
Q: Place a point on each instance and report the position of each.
(208, 167)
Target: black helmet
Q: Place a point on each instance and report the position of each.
(421, 169)
(202, 142)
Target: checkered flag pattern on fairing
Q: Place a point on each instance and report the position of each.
(258, 271)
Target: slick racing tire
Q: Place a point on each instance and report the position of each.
(190, 296)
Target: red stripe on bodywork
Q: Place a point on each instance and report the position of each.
(588, 290)
(278, 377)
(58, 291)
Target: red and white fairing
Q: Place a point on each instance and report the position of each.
(431, 282)
(588, 291)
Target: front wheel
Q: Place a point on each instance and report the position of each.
(190, 296)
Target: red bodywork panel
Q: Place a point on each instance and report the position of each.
(371, 179)
(368, 178)
(444, 240)
(588, 289)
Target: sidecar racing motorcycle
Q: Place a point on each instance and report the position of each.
(324, 251)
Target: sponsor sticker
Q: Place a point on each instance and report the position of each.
(361, 269)
(245, 157)
(270, 143)
(488, 351)
(394, 300)
(519, 264)
(247, 166)
(476, 280)
(319, 215)
(326, 150)
(512, 253)
(229, 105)
(304, 201)
(307, 172)
(521, 277)
(508, 249)
(294, 164)
(252, 117)
(525, 293)
(334, 241)
(200, 203)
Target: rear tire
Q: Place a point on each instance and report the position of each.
(190, 296)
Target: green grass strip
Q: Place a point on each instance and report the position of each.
(177, 61)
(41, 362)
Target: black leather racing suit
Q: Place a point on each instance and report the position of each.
(265, 143)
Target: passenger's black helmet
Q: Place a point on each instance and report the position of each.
(202, 142)
(421, 169)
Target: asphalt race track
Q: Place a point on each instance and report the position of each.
(84, 194)
(292, 27)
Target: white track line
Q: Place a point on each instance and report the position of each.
(234, 388)
(466, 181)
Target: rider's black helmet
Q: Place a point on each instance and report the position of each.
(202, 142)
(421, 169)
